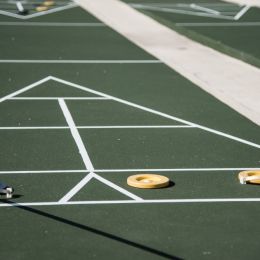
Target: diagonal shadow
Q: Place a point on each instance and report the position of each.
(93, 230)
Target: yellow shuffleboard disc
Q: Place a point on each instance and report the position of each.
(148, 181)
(41, 8)
(249, 177)
(48, 3)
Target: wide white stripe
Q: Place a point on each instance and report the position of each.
(231, 80)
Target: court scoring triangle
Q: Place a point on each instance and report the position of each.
(95, 190)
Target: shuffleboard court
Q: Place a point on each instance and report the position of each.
(227, 27)
(81, 109)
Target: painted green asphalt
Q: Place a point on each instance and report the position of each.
(211, 231)
(42, 187)
(151, 85)
(238, 41)
(84, 43)
(154, 231)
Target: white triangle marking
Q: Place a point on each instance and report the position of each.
(207, 129)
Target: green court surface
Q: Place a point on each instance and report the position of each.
(81, 109)
(227, 27)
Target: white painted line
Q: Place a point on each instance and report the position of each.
(178, 11)
(242, 12)
(177, 170)
(134, 126)
(231, 24)
(76, 188)
(207, 10)
(130, 170)
(19, 6)
(44, 171)
(93, 127)
(74, 131)
(84, 61)
(10, 14)
(32, 127)
(111, 202)
(116, 187)
(238, 85)
(237, 139)
(85, 157)
(158, 113)
(24, 89)
(52, 24)
(56, 98)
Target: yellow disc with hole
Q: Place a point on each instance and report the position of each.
(48, 3)
(148, 181)
(249, 177)
(41, 8)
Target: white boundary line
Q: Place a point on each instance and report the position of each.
(84, 61)
(94, 127)
(52, 24)
(25, 17)
(56, 98)
(105, 202)
(130, 170)
(237, 139)
(176, 170)
(219, 24)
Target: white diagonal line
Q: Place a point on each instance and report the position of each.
(207, 10)
(76, 188)
(158, 113)
(116, 187)
(242, 12)
(24, 89)
(74, 131)
(86, 159)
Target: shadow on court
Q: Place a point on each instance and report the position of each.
(93, 230)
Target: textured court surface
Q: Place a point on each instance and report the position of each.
(69, 81)
(226, 27)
